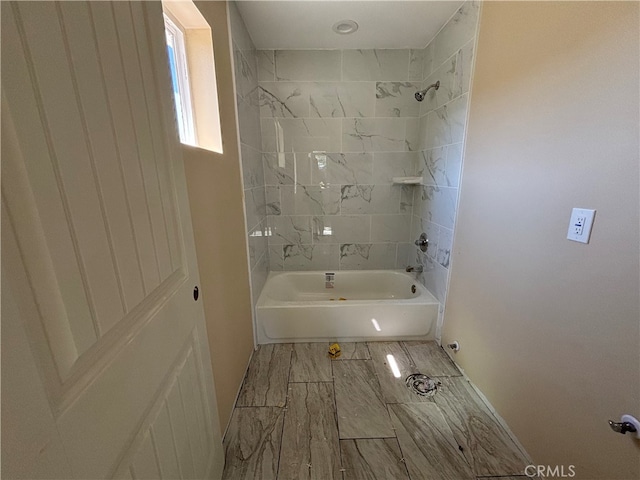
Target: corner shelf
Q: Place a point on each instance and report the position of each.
(407, 180)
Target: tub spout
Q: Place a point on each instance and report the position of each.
(417, 269)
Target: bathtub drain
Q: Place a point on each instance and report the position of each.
(422, 385)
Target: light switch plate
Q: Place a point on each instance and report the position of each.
(580, 225)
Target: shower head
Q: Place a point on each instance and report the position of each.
(422, 93)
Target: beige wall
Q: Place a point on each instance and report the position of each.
(214, 182)
(550, 328)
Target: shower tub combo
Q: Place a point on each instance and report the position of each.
(351, 306)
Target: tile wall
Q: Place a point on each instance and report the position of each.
(323, 132)
(443, 119)
(337, 125)
(246, 65)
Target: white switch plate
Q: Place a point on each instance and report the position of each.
(580, 225)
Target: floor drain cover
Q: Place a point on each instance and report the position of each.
(422, 385)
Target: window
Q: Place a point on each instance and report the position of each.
(192, 65)
(176, 51)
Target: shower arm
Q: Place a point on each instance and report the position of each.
(422, 93)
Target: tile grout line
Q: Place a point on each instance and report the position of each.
(335, 406)
(284, 415)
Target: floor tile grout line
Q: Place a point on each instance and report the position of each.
(335, 407)
(312, 381)
(403, 459)
(284, 413)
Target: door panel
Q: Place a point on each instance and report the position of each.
(95, 196)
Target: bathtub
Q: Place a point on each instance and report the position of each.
(375, 305)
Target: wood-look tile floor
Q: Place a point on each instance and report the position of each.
(302, 416)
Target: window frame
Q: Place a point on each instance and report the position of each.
(183, 102)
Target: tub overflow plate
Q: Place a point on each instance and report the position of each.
(422, 385)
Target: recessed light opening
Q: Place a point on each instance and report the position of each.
(344, 27)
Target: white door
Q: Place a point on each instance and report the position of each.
(105, 363)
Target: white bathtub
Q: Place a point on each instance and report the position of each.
(379, 305)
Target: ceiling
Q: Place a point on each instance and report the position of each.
(301, 24)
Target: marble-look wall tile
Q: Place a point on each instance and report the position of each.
(310, 362)
(387, 165)
(339, 118)
(416, 64)
(464, 61)
(275, 258)
(252, 443)
(367, 256)
(446, 124)
(457, 32)
(390, 228)
(454, 164)
(266, 382)
(441, 166)
(342, 229)
(359, 402)
(308, 65)
(289, 230)
(376, 64)
(433, 167)
(442, 123)
(370, 199)
(301, 134)
(397, 99)
(439, 205)
(445, 241)
(259, 276)
(346, 99)
(445, 74)
(402, 255)
(406, 198)
(374, 135)
(428, 444)
(257, 243)
(341, 168)
(434, 276)
(266, 66)
(412, 134)
(310, 448)
(255, 203)
(245, 64)
(427, 60)
(252, 170)
(239, 32)
(246, 80)
(310, 257)
(284, 99)
(286, 168)
(373, 459)
(310, 200)
(249, 120)
(273, 201)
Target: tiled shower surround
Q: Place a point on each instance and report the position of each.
(245, 66)
(334, 128)
(337, 125)
(443, 120)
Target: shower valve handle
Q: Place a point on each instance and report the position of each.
(422, 242)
